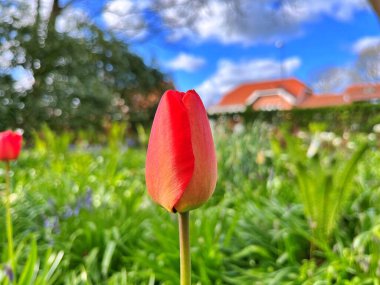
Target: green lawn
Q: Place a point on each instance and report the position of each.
(82, 215)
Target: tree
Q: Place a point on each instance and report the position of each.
(73, 78)
(366, 68)
(332, 79)
(368, 64)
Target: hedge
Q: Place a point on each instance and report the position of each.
(355, 117)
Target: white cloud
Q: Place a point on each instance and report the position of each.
(254, 21)
(220, 22)
(244, 22)
(365, 43)
(186, 62)
(341, 10)
(125, 17)
(230, 74)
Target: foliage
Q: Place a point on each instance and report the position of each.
(34, 270)
(79, 78)
(89, 203)
(357, 117)
(324, 182)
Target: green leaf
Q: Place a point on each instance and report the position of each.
(251, 250)
(31, 267)
(107, 257)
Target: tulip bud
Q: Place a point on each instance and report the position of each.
(10, 145)
(181, 167)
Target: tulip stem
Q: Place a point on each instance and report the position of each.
(184, 248)
(9, 218)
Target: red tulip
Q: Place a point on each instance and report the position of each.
(10, 145)
(181, 168)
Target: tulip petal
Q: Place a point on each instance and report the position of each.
(204, 178)
(170, 159)
(10, 145)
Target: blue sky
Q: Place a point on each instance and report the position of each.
(329, 34)
(228, 44)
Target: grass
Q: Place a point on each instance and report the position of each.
(81, 214)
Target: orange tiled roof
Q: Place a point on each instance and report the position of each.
(238, 99)
(363, 92)
(323, 100)
(239, 95)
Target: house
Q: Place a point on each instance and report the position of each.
(288, 94)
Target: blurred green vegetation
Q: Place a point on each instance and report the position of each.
(357, 117)
(87, 210)
(79, 79)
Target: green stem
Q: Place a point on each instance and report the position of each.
(184, 248)
(8, 218)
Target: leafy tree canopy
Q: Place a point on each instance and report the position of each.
(60, 68)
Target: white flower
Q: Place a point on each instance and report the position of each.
(376, 128)
(239, 128)
(371, 137)
(313, 148)
(327, 136)
(337, 141)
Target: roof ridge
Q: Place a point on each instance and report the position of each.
(272, 81)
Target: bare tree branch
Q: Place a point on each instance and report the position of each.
(376, 6)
